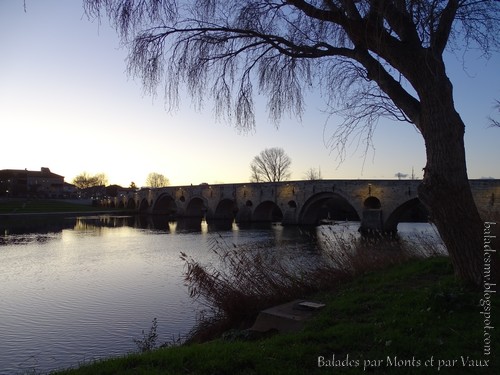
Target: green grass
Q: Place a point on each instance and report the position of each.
(20, 206)
(396, 320)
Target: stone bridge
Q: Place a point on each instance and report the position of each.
(377, 204)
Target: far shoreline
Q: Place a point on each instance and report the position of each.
(21, 207)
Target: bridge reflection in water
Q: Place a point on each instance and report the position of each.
(378, 204)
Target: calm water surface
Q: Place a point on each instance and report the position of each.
(75, 289)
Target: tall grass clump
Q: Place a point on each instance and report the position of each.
(246, 280)
(148, 341)
(361, 254)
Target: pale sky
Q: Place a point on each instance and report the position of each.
(66, 103)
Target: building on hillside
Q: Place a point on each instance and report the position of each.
(23, 183)
(70, 191)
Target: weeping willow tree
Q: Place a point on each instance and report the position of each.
(369, 58)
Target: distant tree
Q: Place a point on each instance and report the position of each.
(85, 180)
(369, 59)
(156, 180)
(82, 181)
(400, 175)
(100, 179)
(133, 185)
(313, 174)
(271, 165)
(413, 177)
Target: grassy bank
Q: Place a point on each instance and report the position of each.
(412, 318)
(37, 206)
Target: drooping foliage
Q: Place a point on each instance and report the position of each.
(355, 51)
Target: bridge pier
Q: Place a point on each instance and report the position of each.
(244, 215)
(290, 217)
(372, 221)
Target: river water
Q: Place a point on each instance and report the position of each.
(76, 289)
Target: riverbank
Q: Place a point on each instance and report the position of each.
(16, 206)
(412, 318)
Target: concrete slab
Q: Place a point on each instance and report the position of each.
(288, 317)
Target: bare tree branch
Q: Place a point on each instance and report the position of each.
(494, 122)
(221, 50)
(439, 39)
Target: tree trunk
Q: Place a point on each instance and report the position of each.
(445, 189)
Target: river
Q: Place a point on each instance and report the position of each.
(76, 289)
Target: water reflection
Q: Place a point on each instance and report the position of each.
(41, 224)
(57, 223)
(43, 228)
(45, 224)
(103, 221)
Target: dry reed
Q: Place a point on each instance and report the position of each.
(246, 280)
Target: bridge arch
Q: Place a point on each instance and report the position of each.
(372, 203)
(131, 204)
(327, 205)
(144, 205)
(267, 211)
(164, 205)
(226, 209)
(196, 208)
(412, 210)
